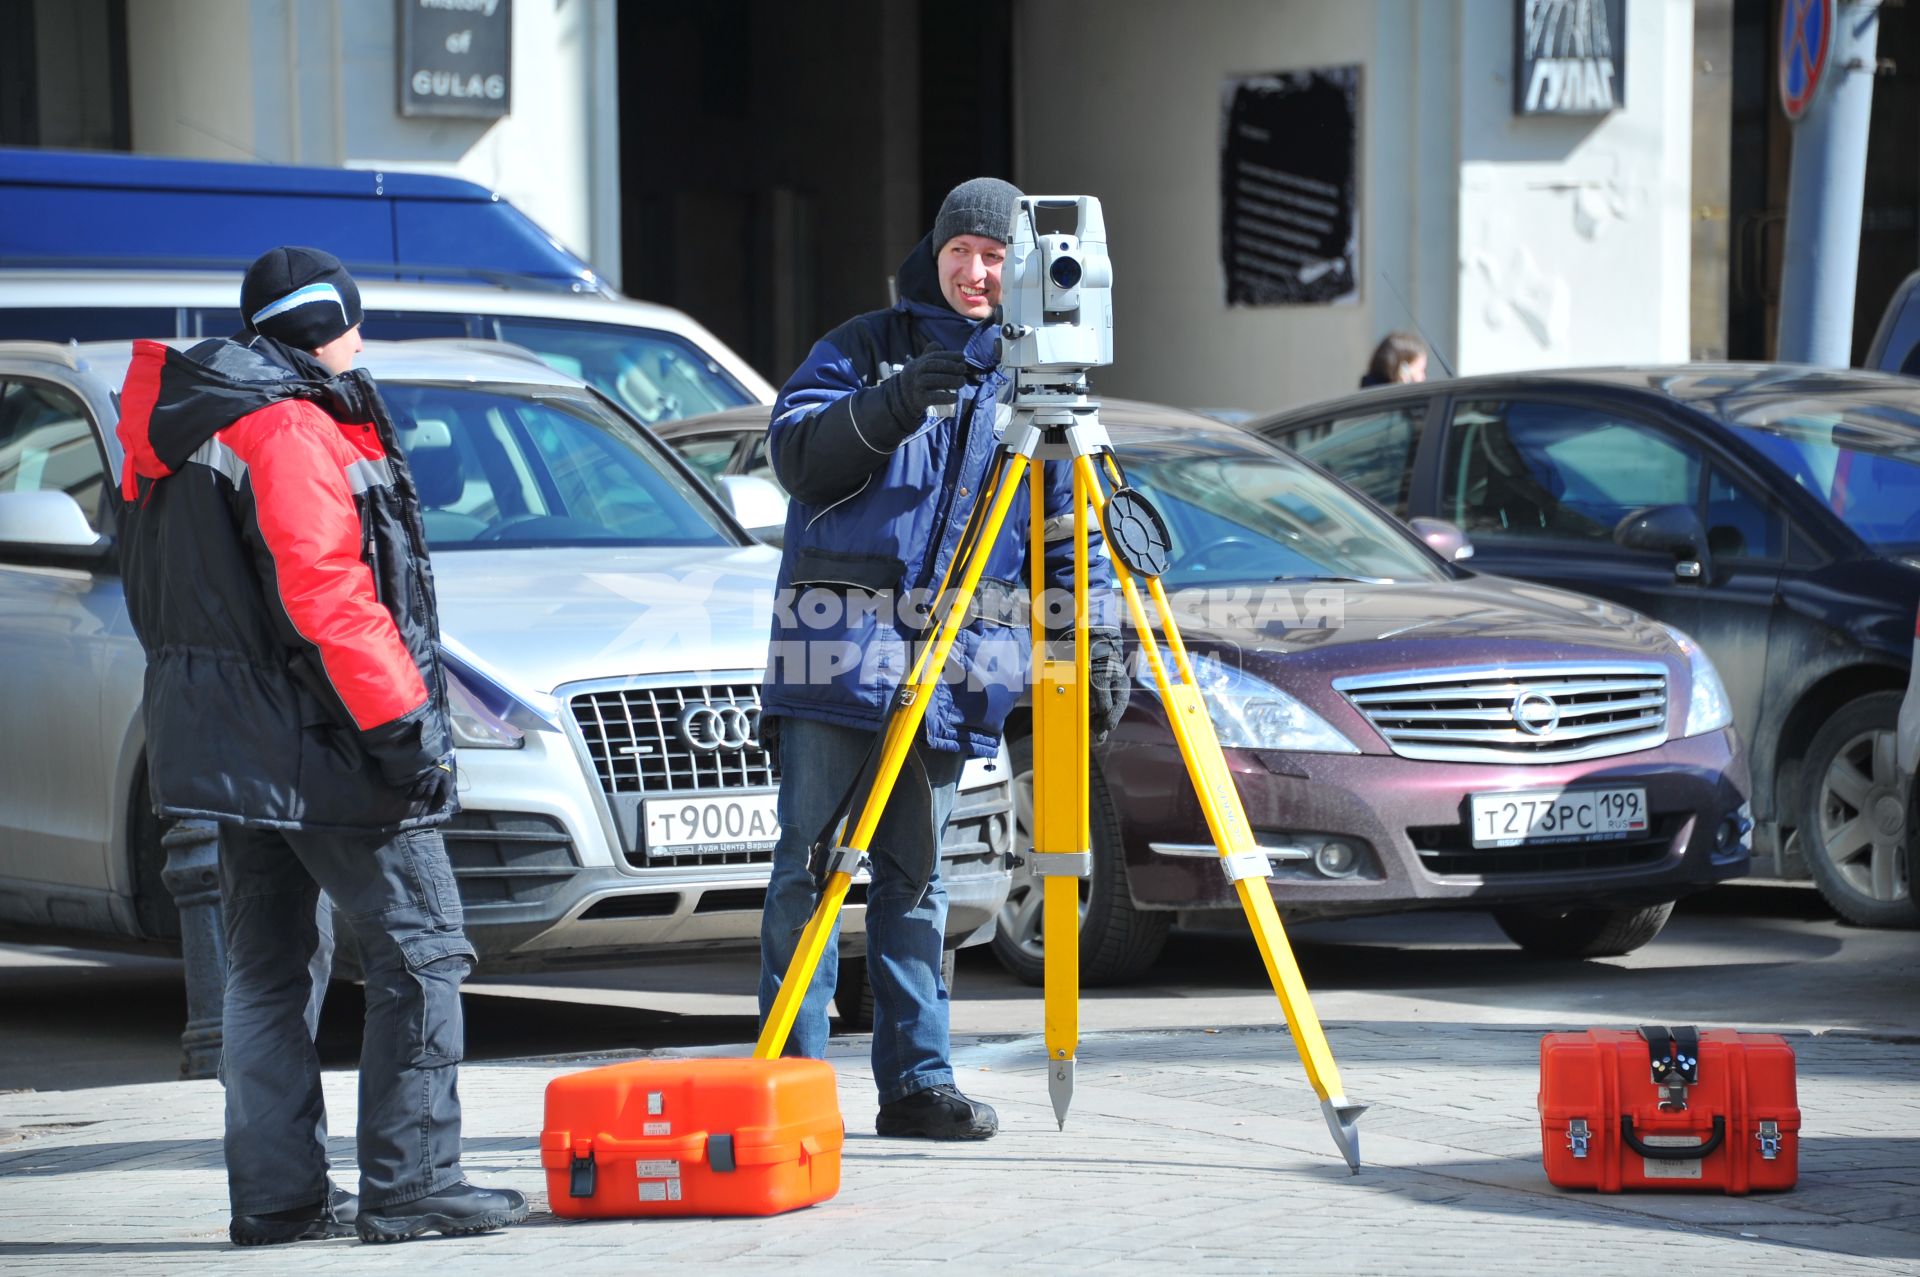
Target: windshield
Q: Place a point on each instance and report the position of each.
(1861, 459)
(654, 375)
(1238, 513)
(499, 465)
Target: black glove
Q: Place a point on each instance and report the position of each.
(931, 380)
(433, 788)
(1108, 684)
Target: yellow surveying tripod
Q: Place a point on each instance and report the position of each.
(1058, 316)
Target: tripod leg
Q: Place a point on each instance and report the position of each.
(902, 725)
(1242, 859)
(1062, 842)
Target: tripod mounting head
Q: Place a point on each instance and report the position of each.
(1057, 289)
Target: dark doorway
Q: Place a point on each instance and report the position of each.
(779, 157)
(63, 74)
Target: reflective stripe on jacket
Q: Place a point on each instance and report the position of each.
(276, 573)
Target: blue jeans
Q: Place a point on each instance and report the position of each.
(906, 902)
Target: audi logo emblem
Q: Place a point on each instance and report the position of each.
(711, 728)
(1536, 713)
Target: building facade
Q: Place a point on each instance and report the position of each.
(1284, 181)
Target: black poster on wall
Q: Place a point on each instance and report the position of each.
(1288, 187)
(456, 57)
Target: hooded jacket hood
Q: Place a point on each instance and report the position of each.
(175, 401)
(918, 282)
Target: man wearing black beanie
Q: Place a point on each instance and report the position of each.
(885, 437)
(276, 573)
(304, 298)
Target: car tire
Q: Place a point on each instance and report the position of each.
(1582, 933)
(155, 912)
(1853, 821)
(1119, 942)
(853, 991)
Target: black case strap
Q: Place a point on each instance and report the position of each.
(1673, 1053)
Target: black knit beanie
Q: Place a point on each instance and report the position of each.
(982, 206)
(302, 296)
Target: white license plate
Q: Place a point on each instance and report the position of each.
(734, 822)
(1548, 815)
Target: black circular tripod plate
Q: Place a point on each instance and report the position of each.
(1137, 533)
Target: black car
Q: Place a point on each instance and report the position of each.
(1771, 511)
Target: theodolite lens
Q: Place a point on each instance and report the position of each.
(1064, 272)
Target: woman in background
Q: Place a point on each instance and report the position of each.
(1399, 358)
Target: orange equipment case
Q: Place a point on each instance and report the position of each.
(1669, 1109)
(692, 1137)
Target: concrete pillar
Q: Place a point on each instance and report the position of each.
(1824, 197)
(192, 876)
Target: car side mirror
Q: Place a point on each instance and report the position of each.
(1445, 539)
(759, 504)
(48, 527)
(1668, 529)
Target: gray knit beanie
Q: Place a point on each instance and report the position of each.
(982, 206)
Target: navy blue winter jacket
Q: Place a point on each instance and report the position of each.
(877, 516)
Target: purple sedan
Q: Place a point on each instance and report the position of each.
(1404, 733)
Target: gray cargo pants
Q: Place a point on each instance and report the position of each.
(396, 891)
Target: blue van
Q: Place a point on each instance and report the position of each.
(94, 210)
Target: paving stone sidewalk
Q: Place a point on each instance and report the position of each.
(1204, 1150)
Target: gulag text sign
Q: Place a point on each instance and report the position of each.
(1570, 57)
(456, 58)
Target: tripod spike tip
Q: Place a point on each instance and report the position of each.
(1060, 1088)
(1341, 1120)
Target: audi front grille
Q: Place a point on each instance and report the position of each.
(659, 741)
(1545, 713)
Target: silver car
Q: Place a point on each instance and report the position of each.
(605, 619)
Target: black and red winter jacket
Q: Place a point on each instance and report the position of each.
(276, 573)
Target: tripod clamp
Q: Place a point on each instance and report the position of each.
(1060, 864)
(826, 859)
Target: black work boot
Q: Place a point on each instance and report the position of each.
(331, 1218)
(455, 1211)
(937, 1113)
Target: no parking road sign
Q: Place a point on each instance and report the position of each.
(1806, 46)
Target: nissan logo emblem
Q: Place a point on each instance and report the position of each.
(1536, 713)
(711, 728)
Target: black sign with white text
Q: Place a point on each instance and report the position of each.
(1569, 57)
(456, 57)
(1288, 203)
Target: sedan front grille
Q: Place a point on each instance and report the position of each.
(695, 739)
(643, 742)
(1547, 713)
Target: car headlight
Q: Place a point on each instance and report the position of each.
(1709, 709)
(475, 724)
(483, 713)
(1251, 713)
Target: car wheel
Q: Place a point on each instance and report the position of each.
(1118, 942)
(1582, 933)
(158, 916)
(853, 991)
(1853, 822)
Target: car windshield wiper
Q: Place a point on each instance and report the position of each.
(1334, 580)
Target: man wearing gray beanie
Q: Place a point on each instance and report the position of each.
(885, 438)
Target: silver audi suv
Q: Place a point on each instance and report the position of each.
(605, 619)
